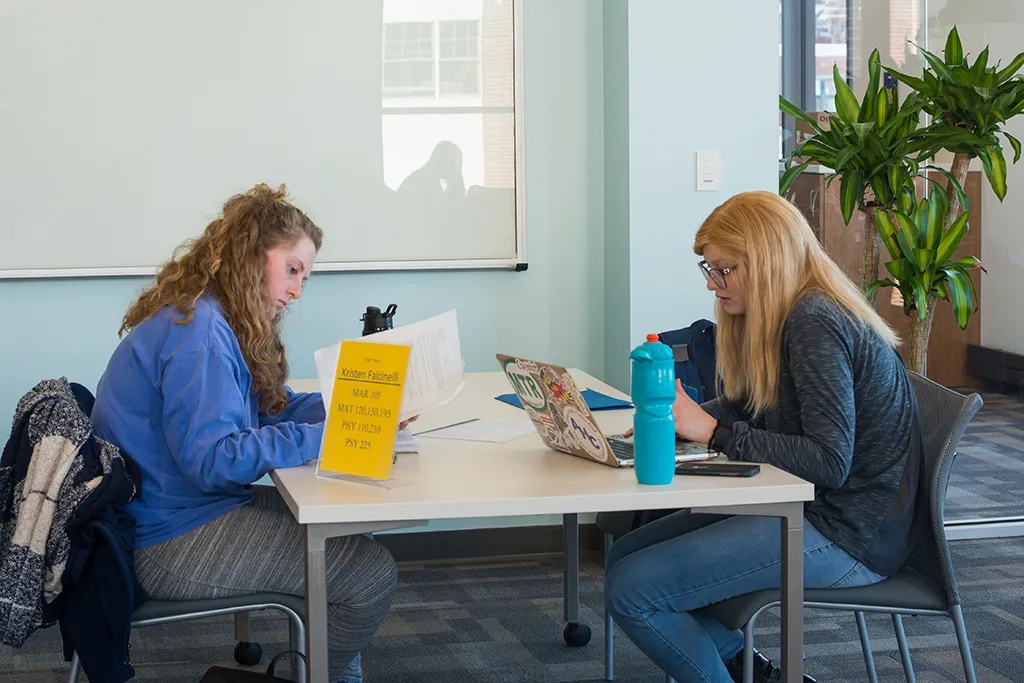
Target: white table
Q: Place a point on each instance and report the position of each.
(460, 479)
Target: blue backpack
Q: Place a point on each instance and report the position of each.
(694, 350)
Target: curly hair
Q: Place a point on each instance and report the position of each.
(229, 261)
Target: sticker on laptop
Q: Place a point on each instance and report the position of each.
(585, 434)
(526, 386)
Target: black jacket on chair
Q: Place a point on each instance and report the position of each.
(66, 541)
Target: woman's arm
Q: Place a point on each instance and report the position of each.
(301, 407)
(820, 360)
(205, 419)
(722, 408)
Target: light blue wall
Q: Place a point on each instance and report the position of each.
(702, 75)
(616, 192)
(618, 96)
(552, 311)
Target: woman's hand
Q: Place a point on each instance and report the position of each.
(406, 423)
(692, 423)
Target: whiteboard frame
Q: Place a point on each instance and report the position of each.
(517, 263)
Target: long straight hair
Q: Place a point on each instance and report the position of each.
(779, 261)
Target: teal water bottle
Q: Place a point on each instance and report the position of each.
(653, 389)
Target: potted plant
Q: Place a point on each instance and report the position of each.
(969, 104)
(875, 149)
(923, 268)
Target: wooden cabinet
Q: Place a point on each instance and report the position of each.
(947, 350)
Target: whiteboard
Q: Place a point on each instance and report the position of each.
(126, 124)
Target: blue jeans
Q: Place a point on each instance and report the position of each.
(660, 576)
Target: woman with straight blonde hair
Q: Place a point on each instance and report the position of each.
(812, 384)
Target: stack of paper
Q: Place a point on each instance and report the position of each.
(434, 375)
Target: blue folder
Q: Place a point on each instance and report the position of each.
(595, 401)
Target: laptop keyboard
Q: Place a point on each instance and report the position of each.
(623, 450)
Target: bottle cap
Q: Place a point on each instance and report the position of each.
(652, 338)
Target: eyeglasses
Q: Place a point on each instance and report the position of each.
(716, 275)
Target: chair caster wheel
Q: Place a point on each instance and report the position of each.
(248, 654)
(576, 635)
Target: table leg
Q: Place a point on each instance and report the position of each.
(316, 584)
(571, 571)
(793, 594)
(575, 633)
(316, 606)
(792, 520)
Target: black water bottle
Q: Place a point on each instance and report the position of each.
(376, 321)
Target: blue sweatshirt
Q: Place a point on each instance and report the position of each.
(178, 400)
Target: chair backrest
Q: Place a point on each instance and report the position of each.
(694, 351)
(945, 415)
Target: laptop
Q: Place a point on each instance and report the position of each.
(564, 422)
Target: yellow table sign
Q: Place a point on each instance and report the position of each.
(362, 420)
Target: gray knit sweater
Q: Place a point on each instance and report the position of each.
(846, 421)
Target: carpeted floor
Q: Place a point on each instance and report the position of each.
(500, 622)
(988, 476)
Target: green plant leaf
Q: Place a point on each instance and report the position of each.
(788, 107)
(962, 76)
(981, 63)
(878, 147)
(873, 288)
(882, 108)
(954, 48)
(905, 236)
(930, 220)
(846, 102)
(844, 156)
(942, 72)
(887, 231)
(916, 83)
(862, 129)
(1015, 143)
(871, 94)
(791, 175)
(851, 191)
(964, 201)
(972, 292)
(901, 269)
(938, 195)
(966, 263)
(995, 168)
(815, 148)
(922, 259)
(905, 200)
(1011, 68)
(986, 93)
(895, 174)
(958, 298)
(880, 189)
(950, 241)
(920, 299)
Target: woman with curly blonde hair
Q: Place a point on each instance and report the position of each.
(812, 385)
(195, 394)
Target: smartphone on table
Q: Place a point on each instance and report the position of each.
(718, 469)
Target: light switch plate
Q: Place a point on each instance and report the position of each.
(708, 170)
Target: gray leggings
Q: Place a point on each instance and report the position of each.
(260, 548)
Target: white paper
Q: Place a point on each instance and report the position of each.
(490, 431)
(434, 375)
